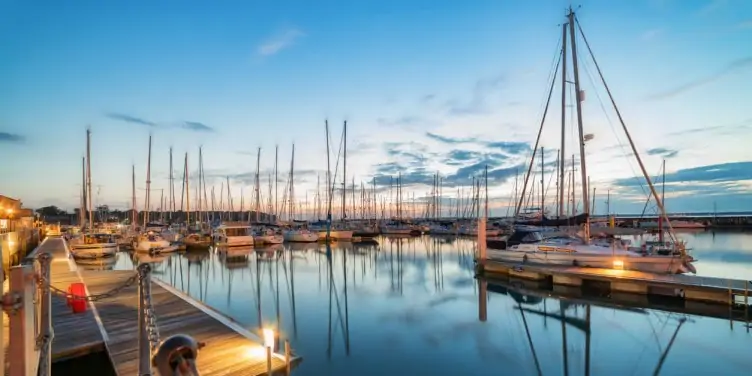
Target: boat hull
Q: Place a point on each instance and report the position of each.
(648, 264)
(300, 237)
(268, 239)
(93, 251)
(336, 234)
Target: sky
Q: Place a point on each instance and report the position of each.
(425, 87)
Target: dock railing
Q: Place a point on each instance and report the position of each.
(27, 304)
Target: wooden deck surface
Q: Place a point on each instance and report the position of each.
(737, 286)
(112, 323)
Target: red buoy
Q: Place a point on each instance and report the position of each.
(77, 298)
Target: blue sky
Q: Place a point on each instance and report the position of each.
(424, 85)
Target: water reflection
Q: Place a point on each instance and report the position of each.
(412, 305)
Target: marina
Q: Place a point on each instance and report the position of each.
(443, 201)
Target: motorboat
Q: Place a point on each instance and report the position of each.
(300, 235)
(233, 235)
(152, 241)
(266, 236)
(91, 246)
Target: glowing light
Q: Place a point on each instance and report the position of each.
(618, 264)
(268, 338)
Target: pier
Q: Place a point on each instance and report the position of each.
(110, 324)
(706, 296)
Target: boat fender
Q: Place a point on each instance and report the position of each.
(77, 297)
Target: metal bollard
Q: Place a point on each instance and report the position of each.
(176, 356)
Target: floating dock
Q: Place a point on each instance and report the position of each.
(706, 290)
(110, 324)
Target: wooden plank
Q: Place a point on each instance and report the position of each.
(227, 352)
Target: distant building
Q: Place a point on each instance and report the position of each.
(13, 215)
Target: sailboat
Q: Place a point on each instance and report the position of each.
(89, 244)
(150, 239)
(296, 234)
(528, 246)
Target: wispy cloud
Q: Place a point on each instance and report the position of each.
(11, 138)
(403, 122)
(194, 126)
(733, 67)
(279, 42)
(663, 152)
(718, 130)
(724, 172)
(477, 104)
(130, 119)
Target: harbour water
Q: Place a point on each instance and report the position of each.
(411, 306)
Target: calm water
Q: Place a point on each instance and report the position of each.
(411, 306)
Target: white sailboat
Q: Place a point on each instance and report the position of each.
(151, 239)
(89, 245)
(528, 246)
(233, 235)
(296, 234)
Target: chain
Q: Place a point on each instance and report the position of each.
(150, 316)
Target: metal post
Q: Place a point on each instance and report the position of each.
(268, 360)
(45, 319)
(144, 353)
(288, 355)
(23, 348)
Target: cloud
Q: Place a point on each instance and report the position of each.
(11, 138)
(478, 102)
(187, 125)
(402, 122)
(745, 24)
(724, 172)
(451, 140)
(130, 119)
(663, 152)
(196, 126)
(509, 147)
(279, 42)
(733, 67)
(718, 130)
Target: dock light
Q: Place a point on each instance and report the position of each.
(268, 338)
(619, 264)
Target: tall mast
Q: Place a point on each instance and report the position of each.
(82, 211)
(258, 192)
(187, 195)
(328, 184)
(663, 197)
(148, 184)
(543, 188)
(578, 102)
(88, 176)
(292, 185)
(171, 191)
(276, 181)
(560, 208)
(344, 172)
(485, 176)
(134, 215)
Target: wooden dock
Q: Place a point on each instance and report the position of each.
(719, 291)
(110, 324)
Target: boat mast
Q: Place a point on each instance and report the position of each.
(543, 188)
(344, 172)
(134, 215)
(485, 177)
(276, 182)
(82, 211)
(663, 197)
(258, 192)
(88, 177)
(578, 103)
(171, 192)
(148, 184)
(328, 186)
(292, 185)
(560, 209)
(187, 195)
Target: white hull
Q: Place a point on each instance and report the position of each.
(396, 231)
(336, 234)
(300, 236)
(157, 246)
(90, 251)
(268, 239)
(620, 260)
